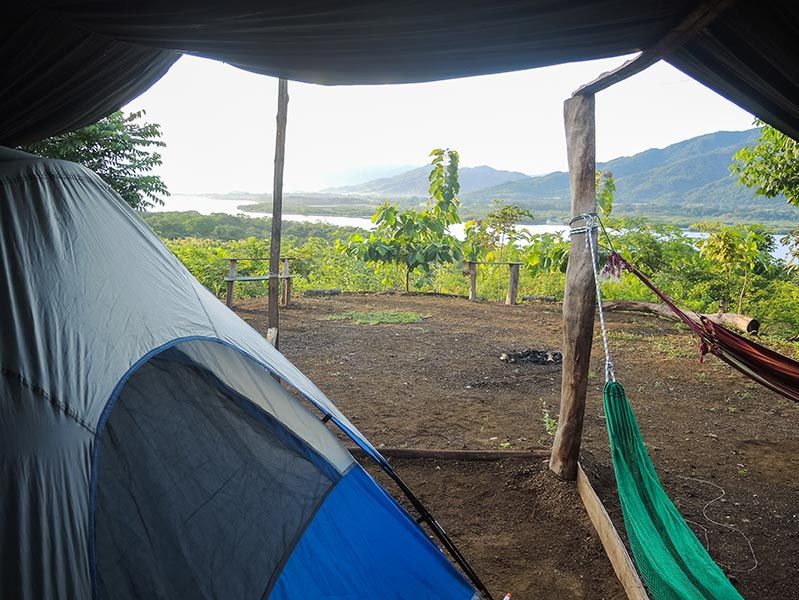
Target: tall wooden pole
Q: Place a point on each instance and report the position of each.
(277, 208)
(579, 300)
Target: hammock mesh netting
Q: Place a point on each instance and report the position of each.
(672, 562)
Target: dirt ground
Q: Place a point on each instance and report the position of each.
(440, 384)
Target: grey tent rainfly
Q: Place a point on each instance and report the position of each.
(147, 451)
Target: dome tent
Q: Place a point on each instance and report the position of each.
(147, 450)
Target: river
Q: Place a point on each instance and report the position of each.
(207, 206)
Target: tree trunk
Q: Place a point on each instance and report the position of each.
(513, 285)
(230, 284)
(724, 301)
(731, 320)
(285, 298)
(735, 321)
(743, 291)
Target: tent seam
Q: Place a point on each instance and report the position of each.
(202, 304)
(50, 176)
(71, 413)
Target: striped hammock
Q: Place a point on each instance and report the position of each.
(768, 368)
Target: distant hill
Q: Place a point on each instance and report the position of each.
(356, 175)
(689, 180)
(414, 183)
(683, 183)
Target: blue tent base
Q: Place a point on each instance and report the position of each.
(362, 545)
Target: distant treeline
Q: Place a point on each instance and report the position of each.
(225, 228)
(778, 215)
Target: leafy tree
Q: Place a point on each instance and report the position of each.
(224, 227)
(654, 247)
(791, 239)
(737, 251)
(605, 192)
(771, 166)
(417, 239)
(120, 149)
(487, 238)
(547, 253)
(756, 282)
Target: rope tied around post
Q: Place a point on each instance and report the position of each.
(672, 561)
(591, 223)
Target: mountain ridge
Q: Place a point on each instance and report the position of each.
(691, 176)
(414, 183)
(684, 183)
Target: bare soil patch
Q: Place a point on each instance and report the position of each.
(439, 383)
(522, 530)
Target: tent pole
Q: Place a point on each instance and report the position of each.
(277, 209)
(438, 531)
(579, 302)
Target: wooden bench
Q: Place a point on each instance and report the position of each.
(232, 277)
(513, 283)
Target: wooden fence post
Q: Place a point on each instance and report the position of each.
(472, 280)
(231, 273)
(579, 300)
(513, 285)
(286, 296)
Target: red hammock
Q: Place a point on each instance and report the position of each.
(768, 368)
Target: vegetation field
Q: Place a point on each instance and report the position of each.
(422, 369)
(733, 270)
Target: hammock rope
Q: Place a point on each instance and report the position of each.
(591, 221)
(672, 561)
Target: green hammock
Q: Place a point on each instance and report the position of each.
(671, 560)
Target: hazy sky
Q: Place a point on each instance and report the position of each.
(219, 123)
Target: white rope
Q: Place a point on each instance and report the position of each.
(728, 526)
(591, 225)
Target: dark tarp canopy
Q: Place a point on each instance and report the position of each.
(66, 63)
(750, 55)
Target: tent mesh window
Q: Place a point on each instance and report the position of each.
(199, 492)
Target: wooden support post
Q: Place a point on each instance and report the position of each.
(286, 296)
(277, 208)
(513, 284)
(579, 300)
(701, 15)
(472, 280)
(231, 273)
